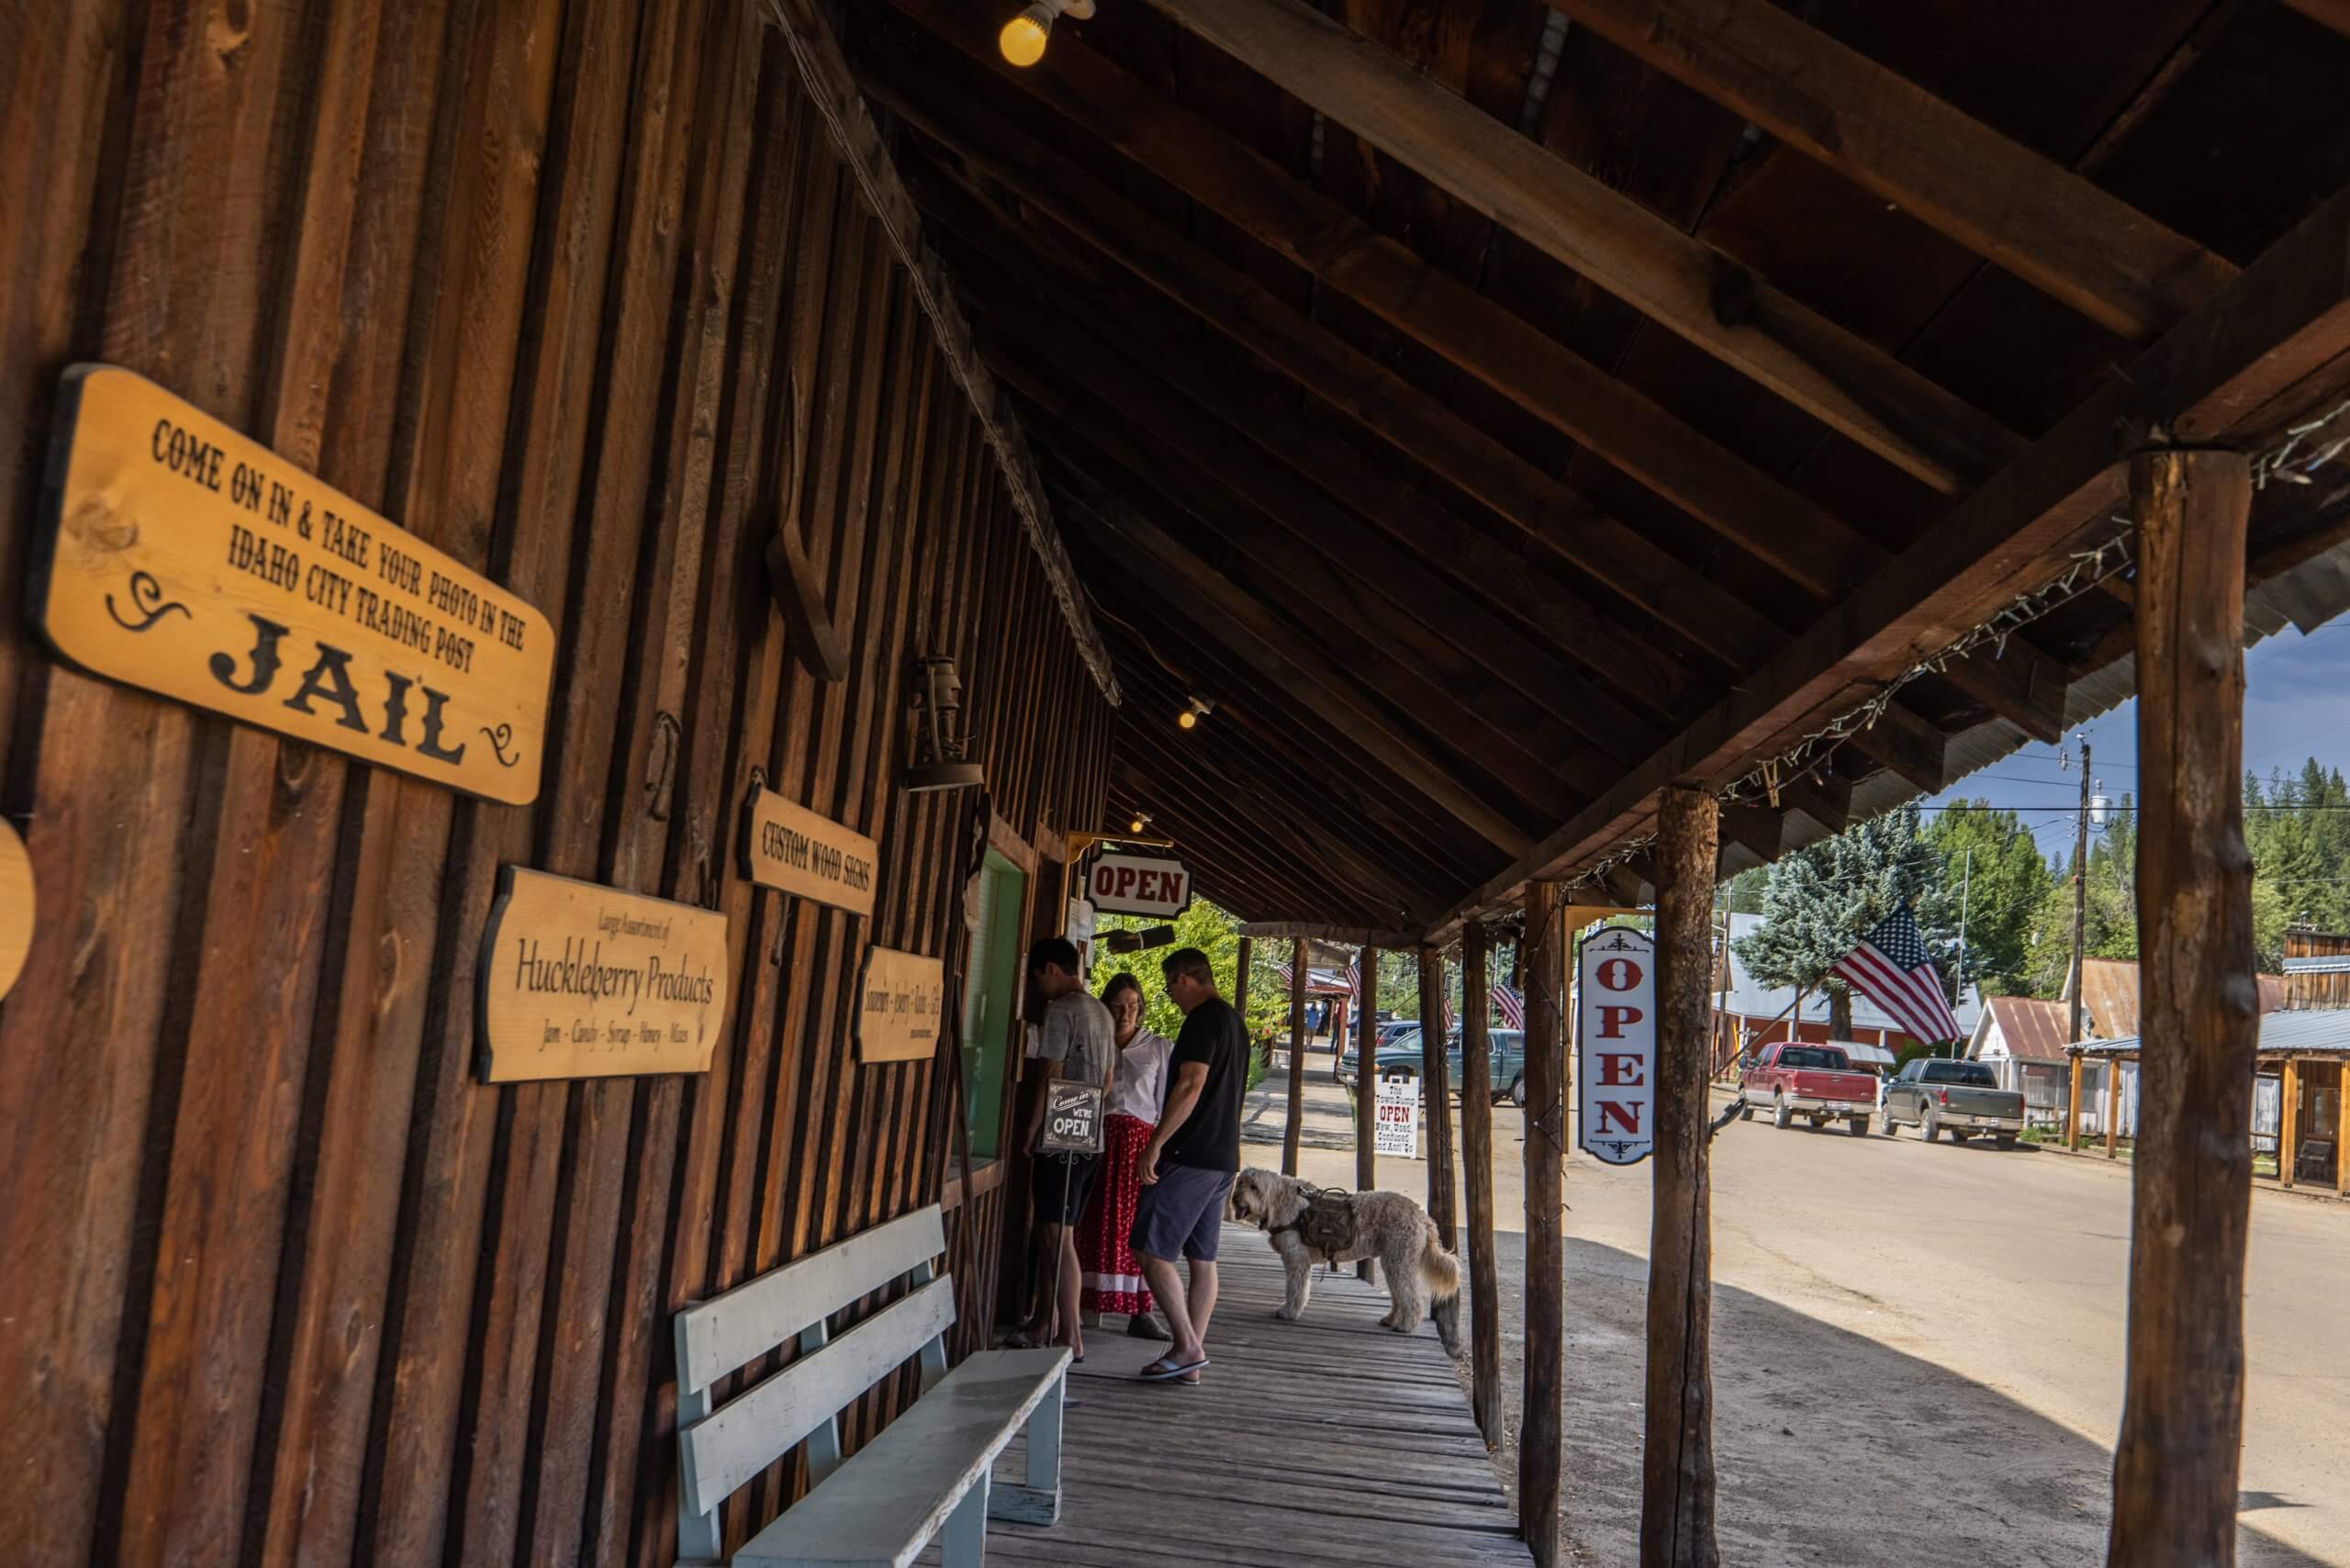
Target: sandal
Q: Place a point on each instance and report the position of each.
(1166, 1369)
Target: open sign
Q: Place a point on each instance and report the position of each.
(1072, 1119)
(1129, 884)
(1616, 1055)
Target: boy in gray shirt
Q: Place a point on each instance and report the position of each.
(1078, 1035)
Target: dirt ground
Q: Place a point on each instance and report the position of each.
(1917, 1350)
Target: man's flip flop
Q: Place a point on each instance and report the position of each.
(1168, 1370)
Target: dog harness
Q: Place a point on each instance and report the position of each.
(1327, 1226)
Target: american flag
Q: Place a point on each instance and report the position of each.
(1354, 977)
(1891, 968)
(1509, 1007)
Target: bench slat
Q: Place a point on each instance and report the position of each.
(725, 1332)
(878, 1510)
(724, 1449)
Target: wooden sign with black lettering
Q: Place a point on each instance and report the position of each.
(582, 981)
(899, 1003)
(184, 558)
(791, 848)
(15, 906)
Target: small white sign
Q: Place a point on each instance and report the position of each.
(1397, 1116)
(1072, 1119)
(1127, 884)
(1615, 1060)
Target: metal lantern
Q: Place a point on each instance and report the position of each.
(938, 739)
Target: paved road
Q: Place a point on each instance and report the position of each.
(1916, 1350)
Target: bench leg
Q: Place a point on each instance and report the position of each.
(965, 1543)
(1038, 1502)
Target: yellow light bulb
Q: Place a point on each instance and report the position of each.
(1186, 718)
(1022, 38)
(1134, 826)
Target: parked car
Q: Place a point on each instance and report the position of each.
(1401, 1058)
(1961, 1098)
(1792, 1079)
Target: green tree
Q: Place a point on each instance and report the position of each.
(2000, 894)
(1214, 931)
(1817, 902)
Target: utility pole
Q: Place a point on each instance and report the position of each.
(2080, 892)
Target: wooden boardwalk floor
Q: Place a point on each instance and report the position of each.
(1307, 1444)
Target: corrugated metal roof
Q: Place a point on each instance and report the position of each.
(2324, 965)
(2312, 1029)
(2033, 1028)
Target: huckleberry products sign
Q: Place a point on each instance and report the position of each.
(1615, 1054)
(181, 557)
(791, 848)
(899, 1001)
(582, 981)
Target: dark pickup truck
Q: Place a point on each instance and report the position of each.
(1960, 1098)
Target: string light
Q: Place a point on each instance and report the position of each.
(1022, 38)
(1198, 708)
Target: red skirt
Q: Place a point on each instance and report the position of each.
(1112, 1280)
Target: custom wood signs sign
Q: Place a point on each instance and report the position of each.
(183, 558)
(1397, 1123)
(791, 848)
(1127, 884)
(582, 981)
(899, 1003)
(15, 906)
(1616, 1050)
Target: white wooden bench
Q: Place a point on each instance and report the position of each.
(928, 1471)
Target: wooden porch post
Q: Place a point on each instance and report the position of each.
(2177, 1463)
(2073, 1109)
(2113, 1104)
(2289, 1132)
(2342, 1131)
(1296, 1054)
(1436, 1078)
(1541, 1432)
(1240, 979)
(1677, 1471)
(1367, 1091)
(1477, 1173)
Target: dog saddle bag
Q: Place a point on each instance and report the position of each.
(1327, 1226)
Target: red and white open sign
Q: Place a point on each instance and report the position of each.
(1616, 1063)
(1127, 884)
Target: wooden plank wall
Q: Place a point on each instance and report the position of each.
(578, 291)
(2316, 990)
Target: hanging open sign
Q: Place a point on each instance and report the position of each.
(1616, 1061)
(1128, 884)
(1072, 1119)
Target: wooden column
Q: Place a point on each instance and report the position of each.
(2288, 1094)
(1436, 1078)
(1367, 1091)
(1240, 988)
(1541, 1432)
(1677, 1467)
(2113, 1104)
(1477, 1175)
(1296, 1054)
(2175, 1465)
(2342, 1131)
(2073, 1109)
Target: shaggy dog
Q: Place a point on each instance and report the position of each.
(1387, 1226)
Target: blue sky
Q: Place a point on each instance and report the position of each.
(2297, 705)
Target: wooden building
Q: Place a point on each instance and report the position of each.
(1553, 454)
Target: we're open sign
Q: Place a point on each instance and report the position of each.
(1616, 1062)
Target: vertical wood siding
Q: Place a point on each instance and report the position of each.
(578, 291)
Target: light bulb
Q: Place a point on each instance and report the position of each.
(1134, 826)
(1022, 38)
(1186, 718)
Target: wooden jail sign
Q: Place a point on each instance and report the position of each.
(792, 850)
(899, 1000)
(582, 981)
(16, 905)
(181, 557)
(1615, 1057)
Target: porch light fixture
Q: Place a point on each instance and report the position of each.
(1200, 708)
(1022, 38)
(1142, 820)
(938, 742)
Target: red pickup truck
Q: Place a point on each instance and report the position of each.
(1792, 1078)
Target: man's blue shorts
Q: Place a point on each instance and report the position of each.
(1180, 1213)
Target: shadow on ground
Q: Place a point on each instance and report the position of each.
(1831, 1447)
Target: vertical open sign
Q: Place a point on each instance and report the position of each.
(1616, 1059)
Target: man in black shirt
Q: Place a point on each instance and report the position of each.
(1187, 1166)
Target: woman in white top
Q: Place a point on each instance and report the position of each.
(1112, 1280)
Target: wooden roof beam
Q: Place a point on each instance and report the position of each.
(1349, 379)
(1623, 427)
(2021, 684)
(1352, 935)
(2050, 227)
(2334, 14)
(2274, 344)
(1311, 678)
(1675, 280)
